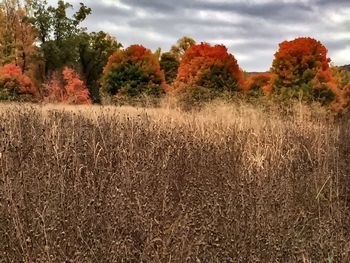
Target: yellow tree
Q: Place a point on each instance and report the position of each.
(17, 36)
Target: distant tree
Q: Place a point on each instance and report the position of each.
(210, 67)
(170, 65)
(158, 53)
(14, 84)
(132, 72)
(94, 51)
(181, 46)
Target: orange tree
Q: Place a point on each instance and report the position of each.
(260, 83)
(67, 88)
(301, 67)
(14, 84)
(132, 72)
(211, 67)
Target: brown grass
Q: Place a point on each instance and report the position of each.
(227, 184)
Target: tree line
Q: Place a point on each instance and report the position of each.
(47, 55)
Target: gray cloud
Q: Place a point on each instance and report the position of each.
(251, 29)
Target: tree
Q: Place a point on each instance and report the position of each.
(181, 46)
(132, 72)
(170, 65)
(14, 84)
(158, 53)
(94, 51)
(17, 36)
(210, 67)
(58, 33)
(302, 70)
(67, 88)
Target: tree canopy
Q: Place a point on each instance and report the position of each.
(211, 67)
(133, 71)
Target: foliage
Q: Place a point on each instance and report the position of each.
(302, 70)
(70, 89)
(17, 36)
(14, 83)
(210, 67)
(77, 92)
(169, 63)
(341, 76)
(133, 72)
(260, 84)
(297, 62)
(58, 33)
(94, 51)
(195, 97)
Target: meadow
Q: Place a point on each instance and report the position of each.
(229, 183)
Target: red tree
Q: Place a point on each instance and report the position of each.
(71, 89)
(209, 66)
(302, 66)
(298, 61)
(13, 81)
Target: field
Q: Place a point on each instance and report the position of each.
(231, 183)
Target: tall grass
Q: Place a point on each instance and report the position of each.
(226, 184)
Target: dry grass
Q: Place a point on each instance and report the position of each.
(227, 184)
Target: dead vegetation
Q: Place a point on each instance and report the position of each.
(227, 184)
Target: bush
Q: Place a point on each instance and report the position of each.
(260, 84)
(67, 88)
(195, 97)
(133, 72)
(14, 85)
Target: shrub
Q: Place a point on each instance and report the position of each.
(195, 97)
(133, 72)
(15, 85)
(67, 88)
(260, 84)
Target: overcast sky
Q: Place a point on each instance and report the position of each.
(251, 29)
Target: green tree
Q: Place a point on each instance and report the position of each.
(94, 51)
(181, 46)
(58, 33)
(169, 63)
(133, 72)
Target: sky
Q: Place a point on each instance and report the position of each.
(250, 29)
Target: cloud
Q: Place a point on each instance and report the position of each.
(251, 29)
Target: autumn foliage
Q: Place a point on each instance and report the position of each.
(68, 88)
(260, 83)
(210, 67)
(132, 72)
(14, 83)
(298, 61)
